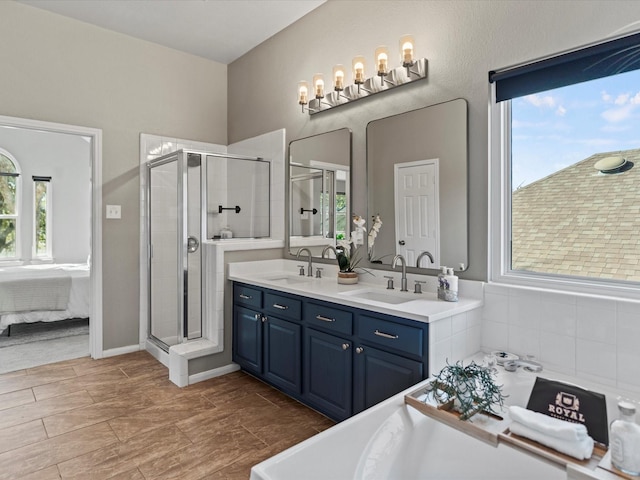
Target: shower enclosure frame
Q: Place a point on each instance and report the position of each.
(181, 157)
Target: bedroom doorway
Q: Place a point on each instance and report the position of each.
(75, 263)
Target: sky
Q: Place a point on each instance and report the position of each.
(554, 129)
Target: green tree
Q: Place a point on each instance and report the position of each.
(8, 184)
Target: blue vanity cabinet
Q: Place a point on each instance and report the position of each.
(337, 359)
(391, 355)
(380, 374)
(328, 359)
(282, 354)
(264, 343)
(247, 338)
(247, 324)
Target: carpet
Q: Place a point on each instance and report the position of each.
(35, 354)
(24, 333)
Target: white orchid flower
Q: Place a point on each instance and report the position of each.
(344, 244)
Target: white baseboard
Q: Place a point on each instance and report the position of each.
(157, 353)
(112, 352)
(216, 372)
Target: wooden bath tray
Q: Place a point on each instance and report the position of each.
(483, 426)
(494, 430)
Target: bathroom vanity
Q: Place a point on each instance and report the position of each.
(338, 348)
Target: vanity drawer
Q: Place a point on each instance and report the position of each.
(282, 306)
(329, 318)
(248, 296)
(389, 334)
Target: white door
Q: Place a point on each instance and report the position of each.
(416, 210)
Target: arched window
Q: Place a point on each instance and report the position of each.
(9, 206)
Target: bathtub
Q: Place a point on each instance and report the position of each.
(394, 441)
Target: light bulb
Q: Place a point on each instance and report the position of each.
(303, 93)
(406, 50)
(382, 60)
(318, 85)
(358, 70)
(338, 78)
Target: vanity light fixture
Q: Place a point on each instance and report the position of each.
(382, 63)
(318, 86)
(411, 70)
(338, 78)
(359, 78)
(303, 96)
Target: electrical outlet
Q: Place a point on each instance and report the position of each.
(113, 211)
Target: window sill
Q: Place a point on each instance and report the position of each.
(41, 260)
(571, 285)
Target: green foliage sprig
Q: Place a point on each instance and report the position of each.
(472, 385)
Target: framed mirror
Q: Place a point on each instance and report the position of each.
(417, 183)
(319, 190)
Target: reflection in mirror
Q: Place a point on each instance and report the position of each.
(319, 182)
(417, 172)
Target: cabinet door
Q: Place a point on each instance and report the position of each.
(380, 375)
(282, 354)
(247, 339)
(327, 371)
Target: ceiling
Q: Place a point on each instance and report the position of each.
(220, 30)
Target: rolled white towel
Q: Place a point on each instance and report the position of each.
(561, 429)
(581, 449)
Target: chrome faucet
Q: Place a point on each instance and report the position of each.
(403, 280)
(424, 254)
(327, 248)
(309, 266)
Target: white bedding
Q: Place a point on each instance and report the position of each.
(78, 306)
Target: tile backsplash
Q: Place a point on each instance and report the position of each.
(595, 338)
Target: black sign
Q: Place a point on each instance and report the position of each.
(573, 404)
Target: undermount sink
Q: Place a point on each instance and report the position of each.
(288, 279)
(382, 297)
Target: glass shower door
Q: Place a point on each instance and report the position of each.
(174, 201)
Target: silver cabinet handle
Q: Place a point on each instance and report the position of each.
(325, 319)
(264, 319)
(280, 307)
(345, 346)
(385, 335)
(245, 297)
(258, 316)
(359, 350)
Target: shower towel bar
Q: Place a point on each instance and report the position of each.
(221, 208)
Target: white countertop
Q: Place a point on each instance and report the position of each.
(283, 275)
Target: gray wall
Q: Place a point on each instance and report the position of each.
(61, 70)
(462, 41)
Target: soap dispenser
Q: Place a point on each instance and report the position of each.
(226, 232)
(451, 282)
(441, 283)
(624, 441)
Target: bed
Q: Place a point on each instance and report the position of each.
(44, 293)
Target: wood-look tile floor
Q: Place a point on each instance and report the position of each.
(122, 418)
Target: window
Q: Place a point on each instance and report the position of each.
(9, 189)
(565, 180)
(42, 217)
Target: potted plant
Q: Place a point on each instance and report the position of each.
(468, 389)
(350, 251)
